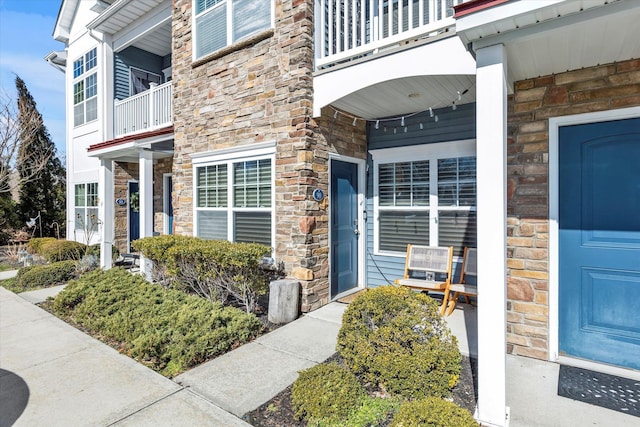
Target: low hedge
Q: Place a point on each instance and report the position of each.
(214, 269)
(432, 412)
(165, 329)
(326, 391)
(35, 244)
(42, 276)
(396, 339)
(62, 250)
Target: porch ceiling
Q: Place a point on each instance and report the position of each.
(122, 15)
(564, 36)
(408, 95)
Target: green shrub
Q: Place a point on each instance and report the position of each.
(214, 269)
(44, 276)
(326, 392)
(62, 250)
(432, 412)
(165, 329)
(95, 251)
(396, 338)
(35, 244)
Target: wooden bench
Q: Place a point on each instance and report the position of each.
(469, 268)
(432, 262)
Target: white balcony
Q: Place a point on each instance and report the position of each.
(146, 111)
(349, 29)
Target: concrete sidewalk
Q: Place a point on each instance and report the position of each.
(251, 375)
(52, 374)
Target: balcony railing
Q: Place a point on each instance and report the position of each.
(148, 110)
(347, 29)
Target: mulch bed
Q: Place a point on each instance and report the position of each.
(278, 411)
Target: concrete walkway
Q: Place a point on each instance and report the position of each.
(52, 374)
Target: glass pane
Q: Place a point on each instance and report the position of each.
(79, 193)
(254, 227)
(92, 109)
(420, 184)
(79, 219)
(212, 224)
(403, 195)
(202, 199)
(78, 67)
(457, 229)
(202, 5)
(467, 168)
(264, 197)
(78, 114)
(250, 16)
(92, 85)
(92, 194)
(399, 228)
(264, 169)
(92, 219)
(91, 59)
(78, 92)
(211, 30)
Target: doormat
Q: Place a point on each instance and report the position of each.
(609, 391)
(349, 298)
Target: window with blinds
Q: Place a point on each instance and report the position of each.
(427, 202)
(234, 200)
(220, 23)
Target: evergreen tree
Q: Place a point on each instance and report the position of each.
(43, 193)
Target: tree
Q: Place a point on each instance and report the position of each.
(41, 174)
(10, 136)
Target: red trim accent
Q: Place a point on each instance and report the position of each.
(131, 138)
(473, 6)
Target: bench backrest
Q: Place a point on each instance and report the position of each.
(434, 259)
(470, 262)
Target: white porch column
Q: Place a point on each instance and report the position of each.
(491, 122)
(106, 212)
(146, 204)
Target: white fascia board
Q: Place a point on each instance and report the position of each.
(64, 21)
(149, 23)
(501, 12)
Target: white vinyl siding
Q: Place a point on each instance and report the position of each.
(234, 200)
(219, 23)
(85, 89)
(425, 197)
(86, 207)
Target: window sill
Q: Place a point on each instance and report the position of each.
(251, 40)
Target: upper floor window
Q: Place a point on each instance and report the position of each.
(219, 23)
(141, 80)
(85, 88)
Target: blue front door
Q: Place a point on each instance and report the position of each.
(134, 211)
(344, 226)
(599, 242)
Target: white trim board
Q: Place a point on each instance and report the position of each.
(554, 126)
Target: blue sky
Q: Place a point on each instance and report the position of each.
(26, 28)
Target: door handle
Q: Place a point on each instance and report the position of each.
(356, 231)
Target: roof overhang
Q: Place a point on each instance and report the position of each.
(57, 59)
(62, 29)
(146, 25)
(543, 38)
(128, 148)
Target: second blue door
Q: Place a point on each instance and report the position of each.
(344, 226)
(599, 242)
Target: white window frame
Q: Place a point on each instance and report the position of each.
(86, 207)
(83, 78)
(229, 157)
(432, 153)
(230, 27)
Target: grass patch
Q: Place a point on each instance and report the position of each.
(11, 285)
(166, 330)
(6, 267)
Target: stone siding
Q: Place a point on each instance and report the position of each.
(262, 91)
(534, 101)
